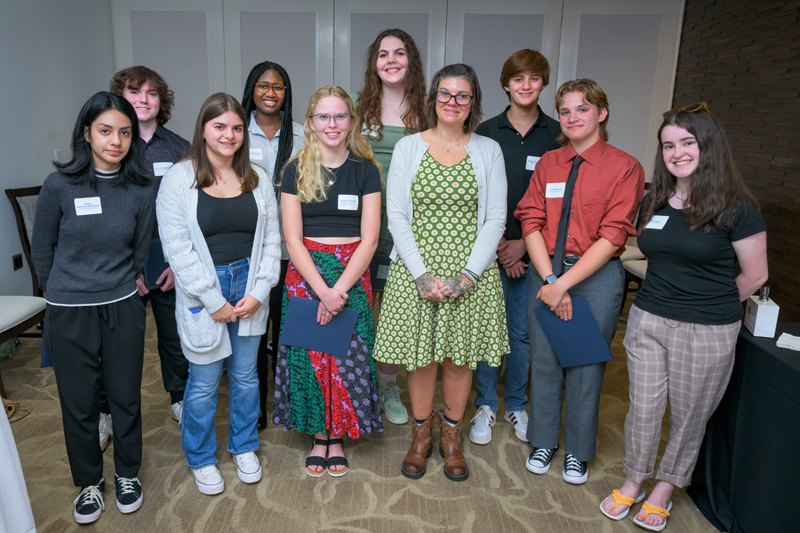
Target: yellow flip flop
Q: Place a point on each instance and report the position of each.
(652, 509)
(619, 499)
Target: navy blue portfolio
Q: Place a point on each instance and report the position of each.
(155, 265)
(577, 341)
(302, 330)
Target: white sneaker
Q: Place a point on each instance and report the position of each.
(177, 411)
(248, 467)
(520, 421)
(208, 479)
(106, 430)
(482, 422)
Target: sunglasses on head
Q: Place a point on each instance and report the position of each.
(691, 108)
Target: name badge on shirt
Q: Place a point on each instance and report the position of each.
(530, 164)
(264, 208)
(348, 202)
(159, 169)
(255, 153)
(555, 190)
(657, 222)
(88, 206)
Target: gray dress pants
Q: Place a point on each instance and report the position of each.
(582, 384)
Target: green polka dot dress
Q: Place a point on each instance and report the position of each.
(471, 328)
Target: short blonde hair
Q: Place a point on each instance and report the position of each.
(592, 94)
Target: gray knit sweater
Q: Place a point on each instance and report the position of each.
(95, 257)
(203, 339)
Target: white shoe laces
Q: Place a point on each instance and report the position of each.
(484, 417)
(91, 495)
(126, 485)
(206, 473)
(573, 464)
(542, 454)
(247, 462)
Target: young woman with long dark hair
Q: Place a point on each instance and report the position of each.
(390, 105)
(219, 227)
(698, 221)
(91, 237)
(274, 138)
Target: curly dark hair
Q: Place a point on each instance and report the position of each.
(369, 101)
(135, 77)
(717, 191)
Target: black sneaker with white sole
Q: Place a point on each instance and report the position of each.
(129, 494)
(575, 472)
(539, 460)
(89, 503)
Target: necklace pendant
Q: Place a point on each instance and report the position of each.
(448, 151)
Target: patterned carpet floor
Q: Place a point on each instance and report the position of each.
(499, 496)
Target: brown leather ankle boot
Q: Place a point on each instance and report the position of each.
(414, 464)
(455, 466)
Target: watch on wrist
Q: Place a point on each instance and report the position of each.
(549, 280)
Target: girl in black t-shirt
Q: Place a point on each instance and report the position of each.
(331, 200)
(697, 222)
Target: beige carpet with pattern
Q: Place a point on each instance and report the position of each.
(500, 494)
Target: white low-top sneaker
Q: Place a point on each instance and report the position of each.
(208, 479)
(247, 466)
(106, 428)
(482, 422)
(520, 421)
(176, 409)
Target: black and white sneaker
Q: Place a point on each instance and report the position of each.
(129, 493)
(575, 472)
(539, 460)
(89, 503)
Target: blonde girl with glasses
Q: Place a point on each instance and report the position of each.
(331, 201)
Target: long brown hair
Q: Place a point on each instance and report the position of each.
(312, 176)
(369, 102)
(204, 174)
(716, 192)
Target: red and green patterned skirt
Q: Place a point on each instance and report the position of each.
(320, 392)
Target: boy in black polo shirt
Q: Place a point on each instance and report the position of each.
(150, 96)
(524, 133)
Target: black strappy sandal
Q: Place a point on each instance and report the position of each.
(317, 461)
(337, 461)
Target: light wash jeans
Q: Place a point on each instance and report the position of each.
(200, 399)
(518, 362)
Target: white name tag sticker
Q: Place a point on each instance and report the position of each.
(159, 169)
(88, 206)
(530, 163)
(255, 153)
(555, 190)
(657, 222)
(348, 202)
(264, 208)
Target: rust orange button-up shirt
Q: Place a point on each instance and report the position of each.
(607, 195)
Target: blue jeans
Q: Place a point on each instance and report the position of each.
(518, 362)
(200, 399)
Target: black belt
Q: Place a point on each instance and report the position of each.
(570, 260)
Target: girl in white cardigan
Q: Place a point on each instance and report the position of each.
(219, 229)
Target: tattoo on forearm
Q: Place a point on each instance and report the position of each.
(447, 407)
(425, 284)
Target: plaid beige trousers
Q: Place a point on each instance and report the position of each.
(688, 365)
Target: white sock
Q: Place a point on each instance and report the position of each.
(386, 380)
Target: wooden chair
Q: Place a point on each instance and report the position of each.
(23, 201)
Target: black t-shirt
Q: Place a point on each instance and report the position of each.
(521, 151)
(340, 214)
(228, 224)
(691, 274)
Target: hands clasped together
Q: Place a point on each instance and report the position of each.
(331, 302)
(435, 290)
(245, 308)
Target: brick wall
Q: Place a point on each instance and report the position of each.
(743, 58)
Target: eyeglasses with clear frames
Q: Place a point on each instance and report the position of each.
(444, 97)
(264, 88)
(323, 119)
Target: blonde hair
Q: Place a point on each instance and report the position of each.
(312, 177)
(592, 94)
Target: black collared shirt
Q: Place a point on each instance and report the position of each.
(164, 147)
(516, 147)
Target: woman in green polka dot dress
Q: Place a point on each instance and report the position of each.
(443, 302)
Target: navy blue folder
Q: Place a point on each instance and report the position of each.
(301, 329)
(155, 265)
(577, 341)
